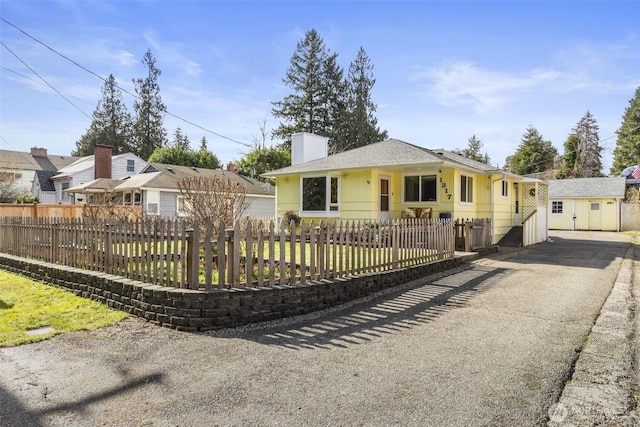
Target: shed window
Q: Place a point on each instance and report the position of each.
(557, 207)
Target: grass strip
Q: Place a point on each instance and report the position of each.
(27, 306)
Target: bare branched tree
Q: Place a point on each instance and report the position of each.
(212, 199)
(10, 188)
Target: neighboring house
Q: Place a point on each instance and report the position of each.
(383, 180)
(156, 189)
(101, 165)
(23, 166)
(586, 203)
(43, 187)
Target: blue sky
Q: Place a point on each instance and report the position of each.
(445, 70)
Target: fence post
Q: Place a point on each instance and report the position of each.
(108, 250)
(395, 242)
(468, 236)
(193, 243)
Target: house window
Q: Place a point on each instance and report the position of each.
(152, 209)
(320, 194)
(466, 189)
(131, 166)
(64, 195)
(182, 206)
(420, 188)
(557, 207)
(137, 199)
(505, 188)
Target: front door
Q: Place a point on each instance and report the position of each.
(384, 199)
(595, 216)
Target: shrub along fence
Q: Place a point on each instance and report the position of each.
(252, 254)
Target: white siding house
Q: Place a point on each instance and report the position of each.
(83, 171)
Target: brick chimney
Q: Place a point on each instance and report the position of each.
(41, 152)
(231, 167)
(102, 161)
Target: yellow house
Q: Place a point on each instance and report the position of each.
(385, 180)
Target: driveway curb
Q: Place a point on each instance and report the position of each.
(601, 389)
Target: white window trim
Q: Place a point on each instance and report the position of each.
(420, 203)
(473, 189)
(327, 212)
(505, 186)
(557, 213)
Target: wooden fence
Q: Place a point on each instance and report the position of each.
(473, 234)
(252, 254)
(57, 211)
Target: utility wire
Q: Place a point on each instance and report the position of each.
(45, 81)
(122, 89)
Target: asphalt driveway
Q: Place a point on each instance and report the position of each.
(489, 344)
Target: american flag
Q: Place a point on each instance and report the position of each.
(636, 173)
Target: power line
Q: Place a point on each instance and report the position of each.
(45, 81)
(122, 89)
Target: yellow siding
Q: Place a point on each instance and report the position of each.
(287, 194)
(607, 221)
(503, 208)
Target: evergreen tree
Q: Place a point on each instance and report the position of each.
(111, 123)
(203, 144)
(148, 129)
(569, 158)
(588, 151)
(308, 109)
(181, 139)
(627, 151)
(533, 155)
(359, 122)
(473, 151)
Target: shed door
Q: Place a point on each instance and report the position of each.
(595, 215)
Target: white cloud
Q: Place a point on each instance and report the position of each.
(463, 83)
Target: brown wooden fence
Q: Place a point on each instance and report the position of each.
(473, 234)
(252, 254)
(40, 210)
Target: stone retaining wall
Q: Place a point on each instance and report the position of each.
(190, 310)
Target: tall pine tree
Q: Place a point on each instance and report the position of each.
(149, 132)
(360, 126)
(473, 151)
(588, 157)
(627, 151)
(533, 155)
(111, 124)
(311, 75)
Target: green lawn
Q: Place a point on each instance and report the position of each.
(26, 305)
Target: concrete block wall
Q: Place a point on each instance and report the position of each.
(190, 310)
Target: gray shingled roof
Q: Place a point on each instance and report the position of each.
(613, 187)
(44, 179)
(26, 161)
(389, 153)
(162, 176)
